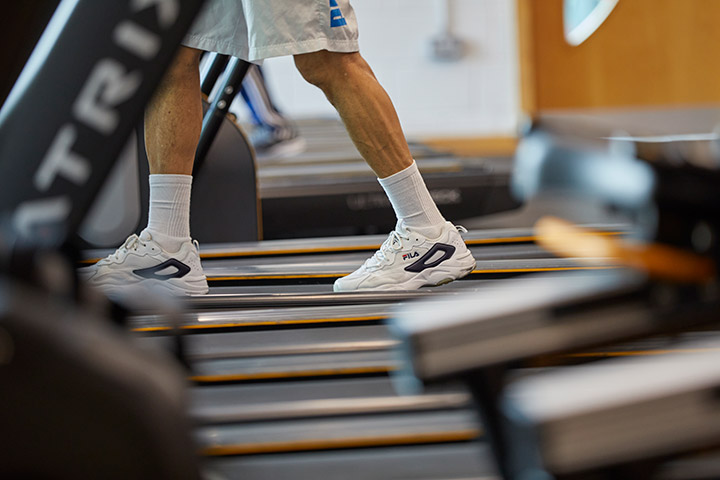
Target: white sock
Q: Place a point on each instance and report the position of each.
(169, 215)
(412, 202)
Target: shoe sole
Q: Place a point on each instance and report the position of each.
(194, 287)
(442, 274)
(432, 277)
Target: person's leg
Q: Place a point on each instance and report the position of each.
(173, 119)
(364, 106)
(163, 256)
(424, 249)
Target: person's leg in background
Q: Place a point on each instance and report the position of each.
(273, 134)
(424, 249)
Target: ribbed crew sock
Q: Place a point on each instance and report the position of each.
(169, 215)
(412, 202)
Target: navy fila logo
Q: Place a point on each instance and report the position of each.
(411, 255)
(180, 270)
(336, 16)
(424, 262)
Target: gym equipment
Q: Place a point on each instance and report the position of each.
(82, 132)
(346, 199)
(615, 419)
(480, 337)
(68, 378)
(81, 400)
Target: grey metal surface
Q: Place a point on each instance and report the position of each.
(269, 317)
(284, 342)
(302, 398)
(316, 408)
(290, 366)
(338, 432)
(240, 395)
(514, 322)
(666, 405)
(338, 267)
(462, 461)
(320, 295)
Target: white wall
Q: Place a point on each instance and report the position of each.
(475, 96)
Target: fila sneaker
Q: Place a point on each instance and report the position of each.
(408, 260)
(142, 262)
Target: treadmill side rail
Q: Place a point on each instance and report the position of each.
(519, 320)
(616, 412)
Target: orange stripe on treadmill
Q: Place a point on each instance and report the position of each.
(291, 251)
(334, 444)
(306, 321)
(325, 372)
(548, 269)
(634, 353)
(272, 277)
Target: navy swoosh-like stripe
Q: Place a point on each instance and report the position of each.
(421, 264)
(152, 272)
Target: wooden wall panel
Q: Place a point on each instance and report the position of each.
(648, 52)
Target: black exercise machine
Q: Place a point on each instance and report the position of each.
(79, 399)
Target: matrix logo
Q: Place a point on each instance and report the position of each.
(112, 82)
(336, 16)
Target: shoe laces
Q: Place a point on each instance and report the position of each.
(391, 245)
(131, 243)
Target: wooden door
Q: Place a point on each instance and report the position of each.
(647, 53)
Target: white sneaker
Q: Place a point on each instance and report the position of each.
(142, 262)
(408, 260)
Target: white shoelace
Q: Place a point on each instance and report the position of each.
(130, 244)
(394, 243)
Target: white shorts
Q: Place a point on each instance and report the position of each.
(257, 29)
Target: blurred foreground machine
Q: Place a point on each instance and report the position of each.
(79, 398)
(611, 419)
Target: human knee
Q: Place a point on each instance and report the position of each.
(186, 62)
(326, 69)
